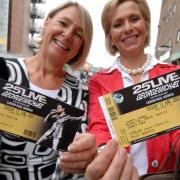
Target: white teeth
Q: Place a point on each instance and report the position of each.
(129, 38)
(61, 45)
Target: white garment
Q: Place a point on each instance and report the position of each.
(138, 151)
(50, 93)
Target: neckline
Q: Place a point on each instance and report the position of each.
(137, 70)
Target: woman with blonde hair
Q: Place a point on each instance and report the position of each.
(126, 24)
(66, 40)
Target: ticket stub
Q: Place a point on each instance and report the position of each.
(144, 110)
(36, 117)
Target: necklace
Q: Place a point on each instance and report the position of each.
(134, 71)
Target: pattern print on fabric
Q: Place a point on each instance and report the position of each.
(21, 160)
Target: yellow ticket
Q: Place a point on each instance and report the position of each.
(20, 122)
(144, 110)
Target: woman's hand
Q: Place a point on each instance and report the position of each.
(112, 163)
(79, 154)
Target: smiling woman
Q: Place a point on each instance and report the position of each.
(126, 25)
(66, 39)
(64, 30)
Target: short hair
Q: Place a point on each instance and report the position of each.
(87, 28)
(106, 18)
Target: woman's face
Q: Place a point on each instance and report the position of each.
(128, 30)
(63, 35)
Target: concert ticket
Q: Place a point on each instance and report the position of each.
(144, 110)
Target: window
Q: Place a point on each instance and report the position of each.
(169, 43)
(174, 8)
(178, 36)
(171, 13)
(167, 20)
(163, 2)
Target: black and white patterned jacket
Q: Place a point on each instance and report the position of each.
(21, 160)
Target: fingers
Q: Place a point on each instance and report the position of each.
(116, 168)
(127, 170)
(75, 162)
(75, 167)
(86, 155)
(82, 142)
(100, 164)
(135, 175)
(79, 153)
(83, 148)
(112, 163)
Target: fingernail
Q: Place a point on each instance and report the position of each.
(114, 144)
(60, 153)
(70, 147)
(63, 157)
(123, 153)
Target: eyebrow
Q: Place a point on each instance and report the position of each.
(66, 18)
(69, 21)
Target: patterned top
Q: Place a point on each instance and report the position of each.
(21, 160)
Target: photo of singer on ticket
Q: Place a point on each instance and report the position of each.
(144, 110)
(36, 117)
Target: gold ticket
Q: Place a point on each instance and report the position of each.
(144, 110)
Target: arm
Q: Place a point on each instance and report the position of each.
(76, 118)
(112, 163)
(48, 117)
(174, 136)
(97, 123)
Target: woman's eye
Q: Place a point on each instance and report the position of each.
(117, 25)
(62, 23)
(134, 19)
(78, 35)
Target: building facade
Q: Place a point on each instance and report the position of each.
(4, 11)
(168, 38)
(18, 26)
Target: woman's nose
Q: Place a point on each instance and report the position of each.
(68, 34)
(128, 27)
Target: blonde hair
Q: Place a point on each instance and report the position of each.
(106, 18)
(87, 27)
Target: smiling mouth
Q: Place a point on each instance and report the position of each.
(130, 39)
(59, 43)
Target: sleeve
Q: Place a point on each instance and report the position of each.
(162, 69)
(4, 71)
(97, 123)
(175, 136)
(83, 105)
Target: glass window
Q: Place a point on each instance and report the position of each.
(178, 36)
(174, 8)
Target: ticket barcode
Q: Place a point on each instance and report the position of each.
(29, 133)
(112, 113)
